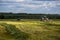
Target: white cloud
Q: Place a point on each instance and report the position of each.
(19, 0)
(34, 4)
(22, 5)
(14, 0)
(41, 5)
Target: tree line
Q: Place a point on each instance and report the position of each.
(27, 16)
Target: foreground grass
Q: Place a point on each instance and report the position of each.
(30, 30)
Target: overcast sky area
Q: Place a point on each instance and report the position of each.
(30, 6)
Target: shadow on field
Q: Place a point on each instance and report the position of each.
(15, 32)
(54, 37)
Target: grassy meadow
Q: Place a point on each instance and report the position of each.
(29, 30)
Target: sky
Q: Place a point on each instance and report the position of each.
(30, 6)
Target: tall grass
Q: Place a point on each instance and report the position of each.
(33, 30)
(15, 32)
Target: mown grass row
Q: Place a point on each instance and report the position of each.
(15, 32)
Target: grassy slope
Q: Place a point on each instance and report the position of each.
(37, 30)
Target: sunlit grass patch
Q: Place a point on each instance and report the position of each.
(35, 30)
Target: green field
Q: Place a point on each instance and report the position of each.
(29, 30)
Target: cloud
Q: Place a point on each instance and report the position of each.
(45, 5)
(29, 6)
(45, 0)
(12, 0)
